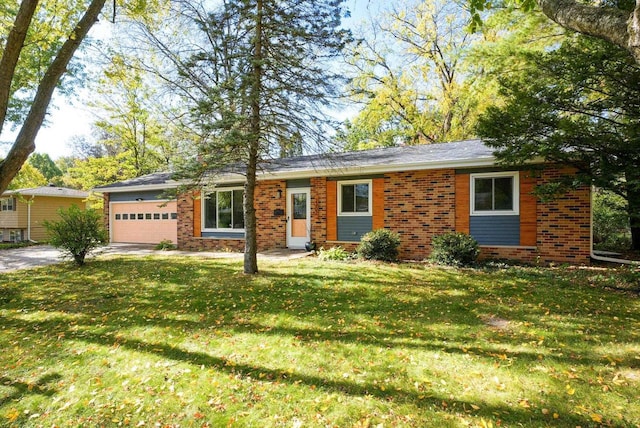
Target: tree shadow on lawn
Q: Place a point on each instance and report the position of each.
(422, 400)
(22, 389)
(214, 297)
(447, 312)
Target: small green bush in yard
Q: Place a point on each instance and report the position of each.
(165, 245)
(454, 249)
(379, 244)
(334, 253)
(77, 233)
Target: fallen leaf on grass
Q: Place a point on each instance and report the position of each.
(596, 417)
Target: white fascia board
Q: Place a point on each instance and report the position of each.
(327, 172)
(140, 187)
(378, 169)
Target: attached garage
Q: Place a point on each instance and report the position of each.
(139, 211)
(144, 222)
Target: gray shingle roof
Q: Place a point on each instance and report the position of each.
(462, 153)
(425, 154)
(157, 178)
(55, 191)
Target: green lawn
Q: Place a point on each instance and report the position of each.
(185, 342)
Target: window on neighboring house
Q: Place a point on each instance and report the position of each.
(494, 194)
(222, 209)
(354, 197)
(8, 204)
(16, 236)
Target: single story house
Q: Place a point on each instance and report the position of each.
(23, 211)
(417, 191)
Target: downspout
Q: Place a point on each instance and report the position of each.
(603, 258)
(29, 218)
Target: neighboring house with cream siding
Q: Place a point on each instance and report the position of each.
(334, 199)
(23, 211)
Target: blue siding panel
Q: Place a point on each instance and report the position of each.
(495, 230)
(223, 235)
(147, 195)
(351, 228)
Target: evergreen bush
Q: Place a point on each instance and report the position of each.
(454, 249)
(379, 244)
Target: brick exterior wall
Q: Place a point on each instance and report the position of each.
(105, 213)
(272, 227)
(564, 225)
(319, 211)
(417, 205)
(563, 228)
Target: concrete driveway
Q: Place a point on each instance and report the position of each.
(28, 257)
(43, 255)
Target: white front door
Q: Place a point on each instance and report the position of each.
(298, 217)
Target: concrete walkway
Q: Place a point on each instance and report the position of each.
(43, 255)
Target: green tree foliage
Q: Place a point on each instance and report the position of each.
(43, 163)
(77, 233)
(130, 121)
(610, 221)
(28, 177)
(412, 76)
(255, 78)
(92, 172)
(615, 21)
(576, 105)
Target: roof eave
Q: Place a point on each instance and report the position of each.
(349, 171)
(138, 187)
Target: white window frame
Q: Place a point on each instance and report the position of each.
(369, 211)
(206, 194)
(516, 193)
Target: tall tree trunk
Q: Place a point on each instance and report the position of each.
(250, 224)
(11, 53)
(25, 142)
(609, 23)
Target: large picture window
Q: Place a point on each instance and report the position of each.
(354, 197)
(494, 194)
(222, 209)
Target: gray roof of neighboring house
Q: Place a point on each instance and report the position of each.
(54, 191)
(458, 154)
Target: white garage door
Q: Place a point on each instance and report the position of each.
(144, 222)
